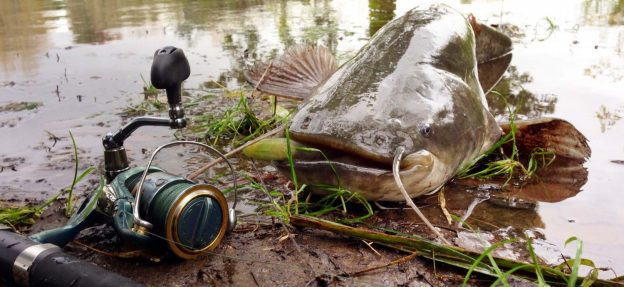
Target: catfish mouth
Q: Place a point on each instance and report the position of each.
(350, 158)
(330, 152)
(421, 171)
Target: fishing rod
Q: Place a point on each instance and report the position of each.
(148, 207)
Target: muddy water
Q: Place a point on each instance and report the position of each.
(83, 62)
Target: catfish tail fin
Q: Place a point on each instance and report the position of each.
(565, 176)
(294, 74)
(554, 135)
(493, 50)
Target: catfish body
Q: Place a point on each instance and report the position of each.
(415, 85)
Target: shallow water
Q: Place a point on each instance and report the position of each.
(83, 60)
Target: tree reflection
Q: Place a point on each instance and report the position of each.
(321, 28)
(380, 13)
(520, 100)
(23, 32)
(610, 12)
(608, 118)
(324, 27)
(284, 28)
(241, 47)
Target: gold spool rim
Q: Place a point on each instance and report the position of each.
(173, 241)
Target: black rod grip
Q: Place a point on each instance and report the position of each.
(60, 269)
(11, 245)
(51, 266)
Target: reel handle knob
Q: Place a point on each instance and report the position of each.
(169, 69)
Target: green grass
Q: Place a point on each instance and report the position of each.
(148, 89)
(147, 106)
(564, 277)
(500, 269)
(507, 165)
(234, 126)
(77, 178)
(286, 203)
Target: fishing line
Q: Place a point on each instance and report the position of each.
(397, 178)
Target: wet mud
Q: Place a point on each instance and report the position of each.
(262, 251)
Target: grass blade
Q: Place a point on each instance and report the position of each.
(577, 260)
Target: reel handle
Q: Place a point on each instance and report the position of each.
(169, 69)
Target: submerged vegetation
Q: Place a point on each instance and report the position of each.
(147, 106)
(25, 216)
(20, 106)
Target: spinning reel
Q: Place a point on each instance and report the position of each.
(148, 206)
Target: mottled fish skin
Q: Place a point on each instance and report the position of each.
(414, 85)
(419, 84)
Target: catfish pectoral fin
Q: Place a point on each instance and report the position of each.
(294, 74)
(552, 134)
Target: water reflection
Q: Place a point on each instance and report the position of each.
(496, 210)
(601, 12)
(284, 29)
(381, 11)
(26, 25)
(511, 210)
(608, 117)
(324, 29)
(23, 32)
(216, 34)
(517, 98)
(606, 69)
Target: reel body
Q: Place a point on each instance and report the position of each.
(188, 218)
(150, 206)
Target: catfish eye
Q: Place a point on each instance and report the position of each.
(425, 130)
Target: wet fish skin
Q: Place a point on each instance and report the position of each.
(419, 84)
(414, 85)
